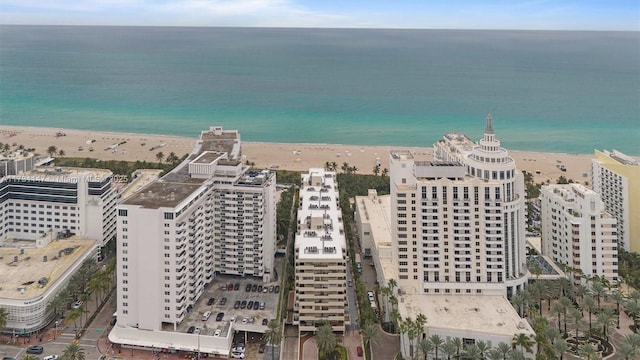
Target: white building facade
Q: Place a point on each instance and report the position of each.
(459, 221)
(211, 215)
(48, 200)
(320, 255)
(576, 230)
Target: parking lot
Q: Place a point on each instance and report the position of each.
(231, 299)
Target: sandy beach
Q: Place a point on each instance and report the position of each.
(299, 157)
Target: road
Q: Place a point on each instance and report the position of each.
(55, 346)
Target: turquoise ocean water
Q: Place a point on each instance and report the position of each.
(547, 91)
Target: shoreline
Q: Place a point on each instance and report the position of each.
(285, 156)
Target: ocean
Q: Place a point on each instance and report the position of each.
(548, 91)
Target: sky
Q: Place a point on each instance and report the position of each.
(422, 14)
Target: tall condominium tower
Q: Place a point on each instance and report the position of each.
(210, 215)
(321, 255)
(616, 177)
(576, 231)
(459, 221)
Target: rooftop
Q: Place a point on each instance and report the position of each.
(163, 194)
(142, 178)
(24, 279)
(207, 157)
(321, 232)
(469, 313)
(15, 155)
(64, 174)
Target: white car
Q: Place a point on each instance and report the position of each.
(50, 357)
(237, 355)
(217, 333)
(77, 304)
(245, 320)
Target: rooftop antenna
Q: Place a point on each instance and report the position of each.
(489, 128)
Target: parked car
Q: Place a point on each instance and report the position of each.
(247, 288)
(243, 304)
(265, 289)
(8, 358)
(223, 301)
(196, 330)
(277, 289)
(236, 305)
(237, 355)
(359, 350)
(191, 329)
(217, 333)
(219, 316)
(229, 287)
(35, 349)
(50, 357)
(77, 304)
(254, 287)
(261, 348)
(271, 288)
(250, 305)
(265, 322)
(236, 287)
(259, 288)
(211, 301)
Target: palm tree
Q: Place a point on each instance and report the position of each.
(424, 348)
(519, 300)
(522, 340)
(566, 305)
(273, 335)
(472, 352)
(504, 349)
(560, 346)
(619, 298)
(517, 355)
(327, 166)
(326, 340)
(334, 166)
(587, 351)
(345, 167)
(589, 304)
(437, 342)
(450, 349)
(376, 170)
(483, 348)
(626, 350)
(558, 308)
(159, 156)
(52, 150)
(494, 354)
(605, 319)
(598, 289)
(576, 318)
(632, 308)
(73, 316)
(4, 315)
(85, 306)
(369, 335)
(73, 352)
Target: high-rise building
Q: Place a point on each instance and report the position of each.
(616, 177)
(576, 231)
(320, 255)
(459, 221)
(210, 215)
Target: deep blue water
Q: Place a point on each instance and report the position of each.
(547, 90)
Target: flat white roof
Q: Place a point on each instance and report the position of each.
(486, 314)
(64, 174)
(321, 234)
(20, 279)
(375, 210)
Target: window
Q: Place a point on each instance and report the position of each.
(122, 212)
(168, 216)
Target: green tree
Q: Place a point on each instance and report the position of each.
(560, 346)
(369, 335)
(627, 351)
(618, 297)
(4, 314)
(73, 352)
(598, 290)
(605, 319)
(326, 340)
(450, 349)
(273, 335)
(587, 351)
(424, 348)
(437, 342)
(589, 304)
(74, 316)
(566, 306)
(504, 349)
(523, 341)
(483, 348)
(52, 150)
(160, 157)
(558, 309)
(576, 318)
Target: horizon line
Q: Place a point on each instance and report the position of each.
(320, 28)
